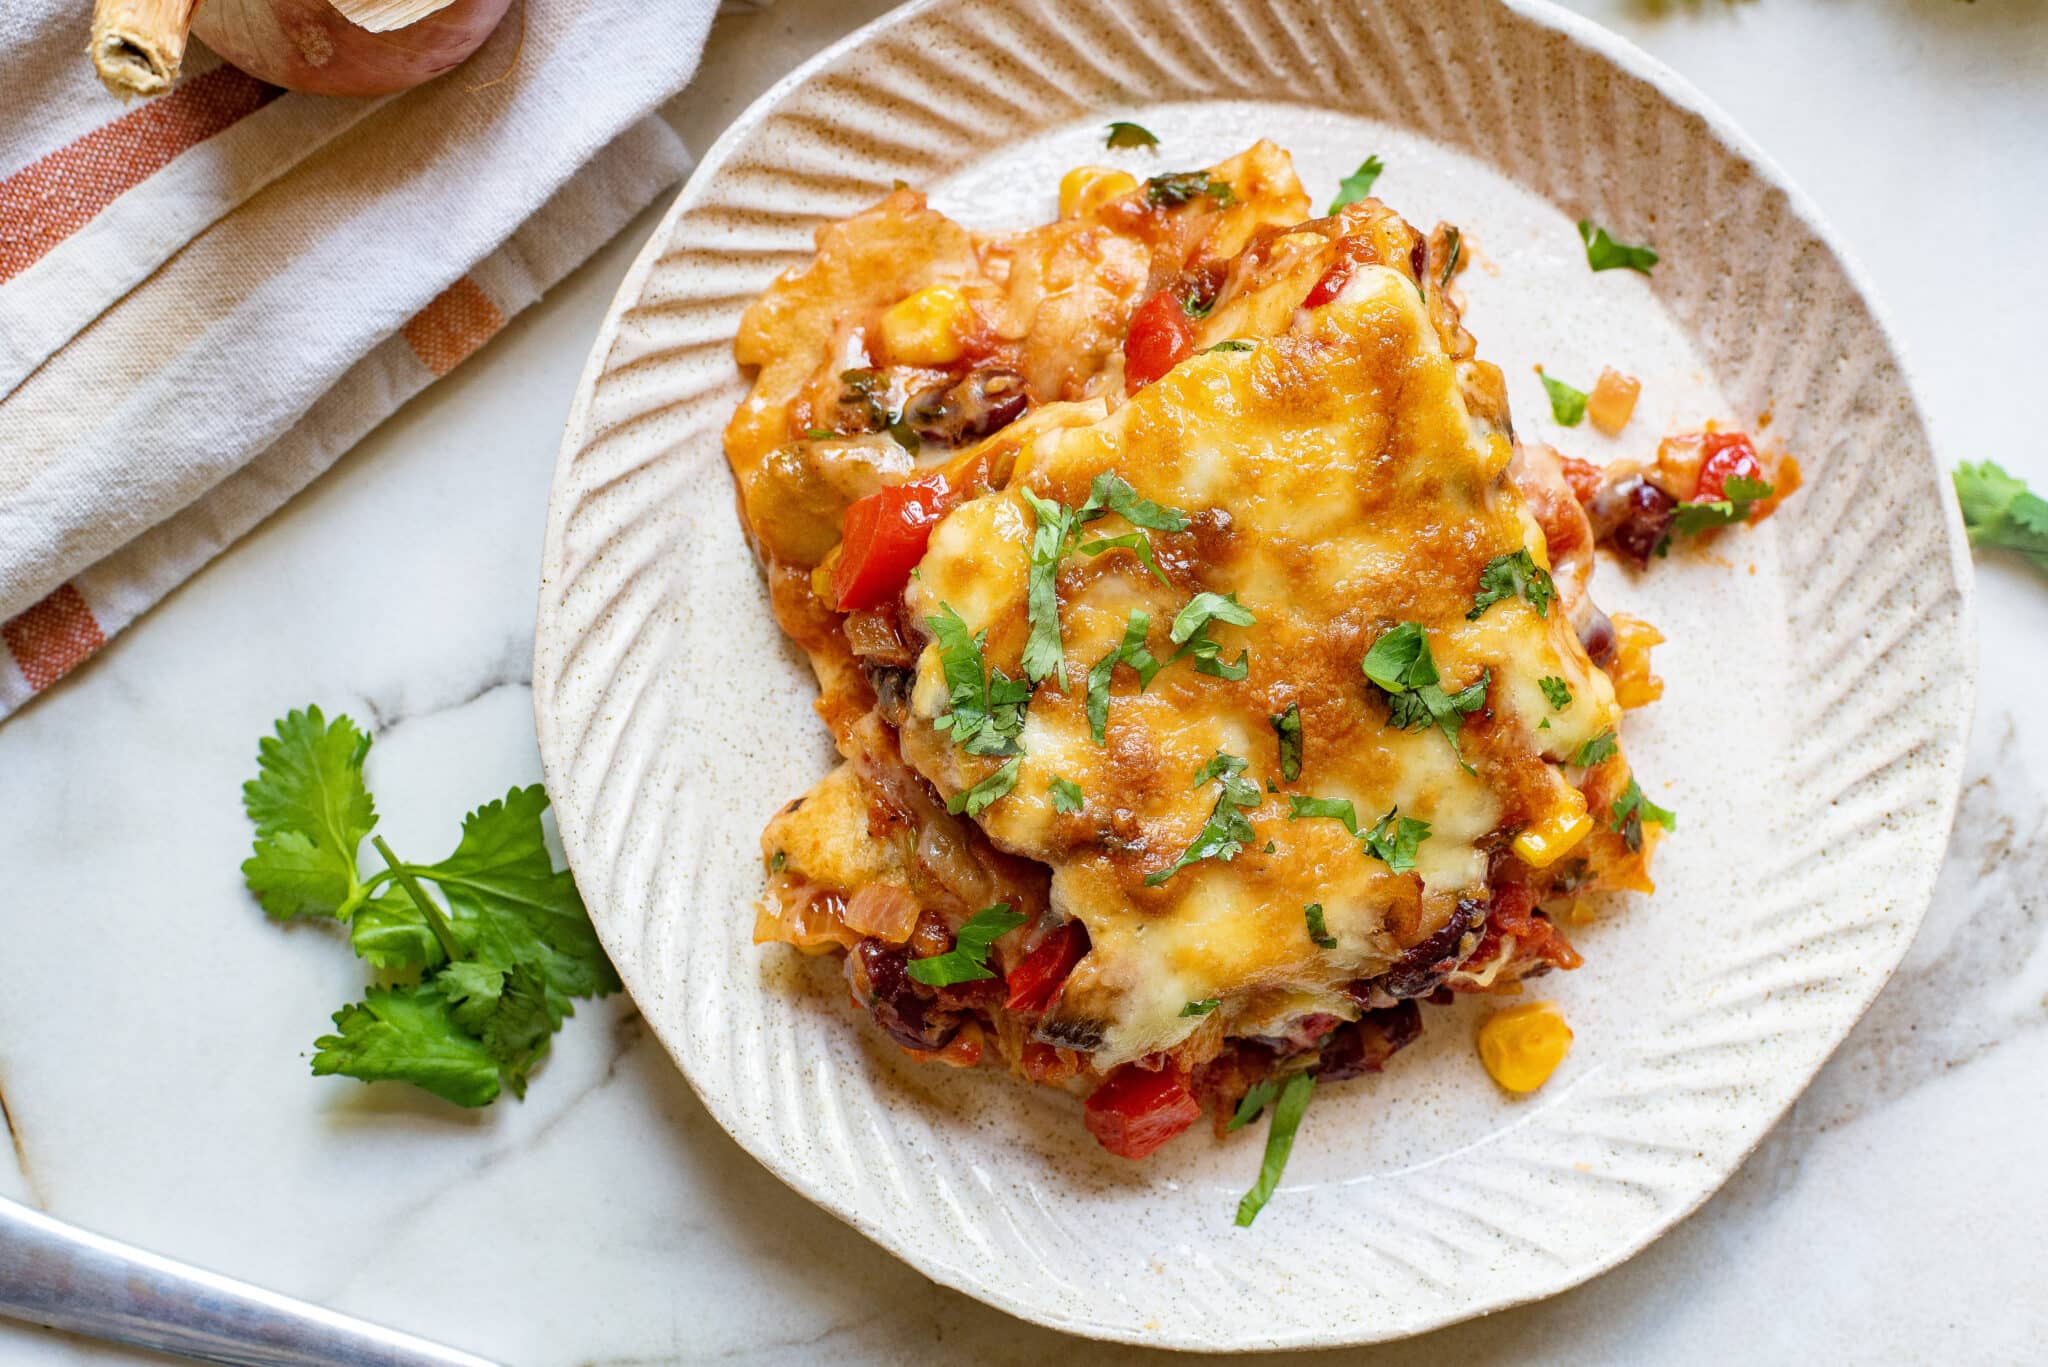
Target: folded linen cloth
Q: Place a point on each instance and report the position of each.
(206, 298)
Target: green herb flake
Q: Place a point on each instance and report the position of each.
(1044, 652)
(1738, 496)
(1202, 1007)
(1234, 344)
(1287, 1114)
(778, 861)
(976, 800)
(1317, 931)
(1175, 188)
(1067, 796)
(819, 434)
(1227, 830)
(1131, 651)
(1334, 808)
(1190, 632)
(1999, 511)
(1567, 405)
(1603, 253)
(967, 960)
(1124, 134)
(985, 707)
(1632, 809)
(1394, 840)
(1455, 249)
(1401, 665)
(1256, 1099)
(1357, 185)
(1111, 493)
(1505, 576)
(1595, 751)
(1556, 691)
(1287, 726)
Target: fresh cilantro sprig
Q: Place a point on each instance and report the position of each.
(985, 707)
(1125, 134)
(1227, 831)
(1505, 576)
(1567, 405)
(1632, 809)
(1294, 1095)
(1357, 185)
(967, 960)
(1603, 253)
(487, 979)
(1738, 496)
(1053, 539)
(1999, 510)
(1401, 666)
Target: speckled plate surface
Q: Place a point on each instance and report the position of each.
(1810, 736)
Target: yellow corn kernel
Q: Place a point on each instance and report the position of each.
(928, 328)
(1556, 835)
(1613, 401)
(1522, 1046)
(1087, 188)
(1634, 684)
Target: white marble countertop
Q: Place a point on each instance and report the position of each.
(154, 1028)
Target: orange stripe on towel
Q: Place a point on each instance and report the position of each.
(48, 200)
(454, 324)
(51, 638)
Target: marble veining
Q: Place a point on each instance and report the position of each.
(154, 1028)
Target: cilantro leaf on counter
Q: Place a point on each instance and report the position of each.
(496, 969)
(1287, 726)
(1567, 405)
(967, 960)
(1125, 134)
(1603, 253)
(1294, 1095)
(1999, 510)
(1511, 574)
(1357, 185)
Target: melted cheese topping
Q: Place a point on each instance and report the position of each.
(1338, 484)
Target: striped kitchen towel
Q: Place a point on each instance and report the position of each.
(206, 298)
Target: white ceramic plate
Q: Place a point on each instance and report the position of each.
(1810, 736)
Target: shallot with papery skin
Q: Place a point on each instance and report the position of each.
(321, 47)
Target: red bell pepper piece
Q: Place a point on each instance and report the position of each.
(1160, 338)
(1037, 979)
(884, 536)
(1135, 1110)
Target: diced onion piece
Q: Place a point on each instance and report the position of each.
(886, 911)
(811, 923)
(1522, 1045)
(1613, 401)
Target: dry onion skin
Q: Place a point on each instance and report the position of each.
(320, 47)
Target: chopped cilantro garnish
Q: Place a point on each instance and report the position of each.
(1110, 493)
(1202, 1007)
(1358, 184)
(1287, 726)
(1999, 510)
(1595, 751)
(1259, 1096)
(1335, 808)
(1317, 931)
(974, 801)
(1511, 574)
(1234, 344)
(985, 707)
(1456, 249)
(1394, 840)
(1044, 653)
(1178, 187)
(1066, 795)
(1293, 1101)
(819, 434)
(1401, 665)
(1567, 405)
(1124, 134)
(1191, 633)
(1738, 496)
(1632, 809)
(1137, 543)
(1131, 651)
(1227, 829)
(1603, 253)
(967, 960)
(1557, 691)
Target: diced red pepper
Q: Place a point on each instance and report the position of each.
(1725, 456)
(884, 536)
(1584, 477)
(1036, 980)
(1135, 1111)
(1160, 338)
